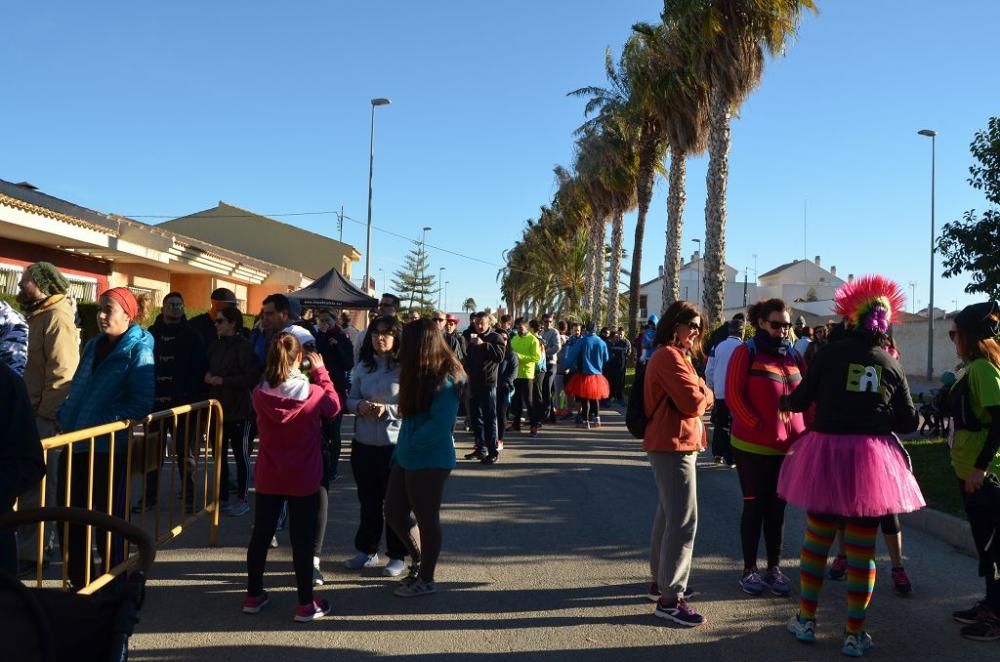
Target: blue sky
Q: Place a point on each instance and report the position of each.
(151, 109)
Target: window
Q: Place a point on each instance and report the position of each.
(10, 276)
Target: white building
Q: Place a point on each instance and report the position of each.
(800, 280)
(691, 288)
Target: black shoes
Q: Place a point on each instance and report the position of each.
(490, 459)
(476, 454)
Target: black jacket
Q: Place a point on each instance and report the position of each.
(338, 355)
(181, 361)
(858, 389)
(459, 343)
(234, 360)
(21, 464)
(482, 361)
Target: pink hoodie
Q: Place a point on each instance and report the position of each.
(289, 462)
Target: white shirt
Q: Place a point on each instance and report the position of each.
(718, 366)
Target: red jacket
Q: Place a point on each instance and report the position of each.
(675, 399)
(289, 461)
(752, 393)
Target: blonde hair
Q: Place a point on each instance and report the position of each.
(281, 358)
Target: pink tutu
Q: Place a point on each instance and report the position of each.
(852, 475)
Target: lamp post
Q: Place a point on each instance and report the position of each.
(371, 163)
(382, 278)
(698, 288)
(440, 276)
(446, 293)
(913, 296)
(930, 306)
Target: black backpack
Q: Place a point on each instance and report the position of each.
(635, 409)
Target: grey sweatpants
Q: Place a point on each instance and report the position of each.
(672, 541)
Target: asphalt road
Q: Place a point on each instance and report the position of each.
(545, 558)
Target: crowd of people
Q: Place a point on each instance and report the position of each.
(808, 416)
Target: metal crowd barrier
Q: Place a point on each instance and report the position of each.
(191, 437)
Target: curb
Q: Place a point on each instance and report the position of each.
(946, 528)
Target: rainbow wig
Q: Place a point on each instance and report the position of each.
(869, 302)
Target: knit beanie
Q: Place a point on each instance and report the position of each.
(48, 279)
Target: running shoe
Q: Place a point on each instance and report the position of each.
(751, 583)
(361, 560)
(856, 645)
(978, 612)
(597, 421)
(252, 604)
(477, 454)
(394, 568)
(240, 508)
(803, 630)
(679, 612)
(313, 611)
(490, 459)
(986, 629)
(318, 578)
(411, 576)
(838, 569)
(901, 583)
(415, 589)
(777, 582)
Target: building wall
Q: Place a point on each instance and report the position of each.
(654, 300)
(911, 341)
(792, 292)
(142, 278)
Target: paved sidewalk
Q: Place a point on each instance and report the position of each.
(544, 559)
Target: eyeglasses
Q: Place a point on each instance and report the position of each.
(952, 333)
(173, 304)
(778, 326)
(221, 320)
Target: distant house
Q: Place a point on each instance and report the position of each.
(246, 232)
(800, 280)
(692, 288)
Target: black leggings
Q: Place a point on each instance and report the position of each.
(588, 407)
(418, 491)
(237, 435)
(983, 510)
(762, 508)
(301, 531)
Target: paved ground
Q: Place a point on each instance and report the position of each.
(544, 559)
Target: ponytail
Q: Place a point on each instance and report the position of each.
(281, 356)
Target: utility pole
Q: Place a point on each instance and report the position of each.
(340, 223)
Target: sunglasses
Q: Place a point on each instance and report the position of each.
(694, 327)
(778, 326)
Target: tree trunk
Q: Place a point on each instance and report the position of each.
(597, 266)
(614, 278)
(714, 276)
(588, 269)
(673, 260)
(644, 193)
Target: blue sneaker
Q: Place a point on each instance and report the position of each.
(804, 631)
(777, 582)
(678, 612)
(855, 645)
(751, 583)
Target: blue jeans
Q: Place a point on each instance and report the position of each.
(483, 412)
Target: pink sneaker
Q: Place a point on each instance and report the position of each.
(312, 612)
(252, 604)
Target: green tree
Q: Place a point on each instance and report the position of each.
(972, 244)
(415, 288)
(726, 42)
(469, 305)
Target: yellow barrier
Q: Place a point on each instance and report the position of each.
(196, 433)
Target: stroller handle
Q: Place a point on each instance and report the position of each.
(127, 530)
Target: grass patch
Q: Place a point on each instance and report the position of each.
(932, 468)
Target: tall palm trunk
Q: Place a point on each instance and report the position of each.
(597, 265)
(644, 193)
(676, 197)
(719, 139)
(615, 275)
(588, 270)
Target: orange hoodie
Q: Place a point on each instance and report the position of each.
(675, 399)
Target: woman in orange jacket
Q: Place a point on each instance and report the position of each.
(675, 399)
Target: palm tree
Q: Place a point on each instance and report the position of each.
(682, 101)
(469, 305)
(727, 40)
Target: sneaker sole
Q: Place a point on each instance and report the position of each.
(312, 617)
(756, 594)
(965, 621)
(780, 594)
(670, 617)
(257, 609)
(804, 637)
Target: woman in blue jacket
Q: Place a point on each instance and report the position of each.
(115, 381)
(586, 359)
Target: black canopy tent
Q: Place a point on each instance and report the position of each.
(332, 290)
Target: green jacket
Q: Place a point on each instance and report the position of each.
(529, 352)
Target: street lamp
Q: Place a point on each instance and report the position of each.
(440, 276)
(371, 163)
(446, 293)
(930, 306)
(382, 278)
(698, 289)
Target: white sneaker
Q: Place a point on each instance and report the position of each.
(394, 568)
(362, 560)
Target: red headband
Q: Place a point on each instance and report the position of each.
(125, 299)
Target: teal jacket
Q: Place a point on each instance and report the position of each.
(426, 440)
(121, 387)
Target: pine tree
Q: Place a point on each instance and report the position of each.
(413, 285)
